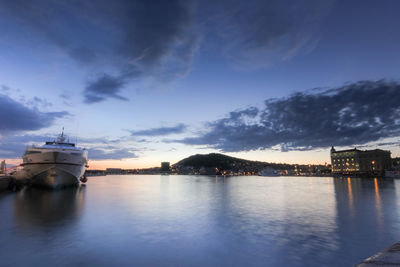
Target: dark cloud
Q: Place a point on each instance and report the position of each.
(353, 114)
(157, 39)
(135, 38)
(177, 129)
(13, 146)
(104, 87)
(18, 117)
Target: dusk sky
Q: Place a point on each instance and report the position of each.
(140, 82)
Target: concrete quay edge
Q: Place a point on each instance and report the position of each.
(387, 257)
(9, 183)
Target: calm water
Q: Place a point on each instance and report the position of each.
(201, 221)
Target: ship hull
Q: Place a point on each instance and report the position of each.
(55, 175)
(54, 169)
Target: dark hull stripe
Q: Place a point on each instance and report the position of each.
(59, 163)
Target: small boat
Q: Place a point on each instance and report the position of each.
(55, 164)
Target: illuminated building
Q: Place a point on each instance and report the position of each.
(355, 161)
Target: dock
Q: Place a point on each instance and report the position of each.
(9, 183)
(5, 182)
(387, 257)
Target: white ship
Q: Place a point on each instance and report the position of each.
(55, 164)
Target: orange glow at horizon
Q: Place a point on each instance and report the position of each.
(103, 164)
(123, 164)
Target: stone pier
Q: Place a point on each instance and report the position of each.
(9, 183)
(388, 257)
(5, 182)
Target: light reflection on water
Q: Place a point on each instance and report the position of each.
(198, 220)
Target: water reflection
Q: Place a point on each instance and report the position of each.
(196, 220)
(295, 214)
(35, 207)
(362, 199)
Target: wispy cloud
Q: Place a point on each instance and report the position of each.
(128, 41)
(115, 154)
(133, 38)
(260, 33)
(357, 113)
(161, 131)
(13, 146)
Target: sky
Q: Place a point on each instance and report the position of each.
(140, 82)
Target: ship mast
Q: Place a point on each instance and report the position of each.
(61, 138)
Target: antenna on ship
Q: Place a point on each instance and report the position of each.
(77, 131)
(61, 138)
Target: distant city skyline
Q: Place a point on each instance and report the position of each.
(142, 82)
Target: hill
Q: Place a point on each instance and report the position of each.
(213, 160)
(210, 162)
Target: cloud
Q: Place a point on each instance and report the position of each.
(66, 98)
(37, 102)
(177, 129)
(258, 34)
(13, 146)
(134, 39)
(18, 117)
(356, 113)
(103, 87)
(129, 41)
(117, 154)
(5, 89)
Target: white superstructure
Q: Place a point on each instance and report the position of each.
(55, 164)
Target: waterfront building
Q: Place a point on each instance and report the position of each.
(358, 162)
(114, 171)
(95, 172)
(396, 162)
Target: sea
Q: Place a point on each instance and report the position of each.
(184, 220)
